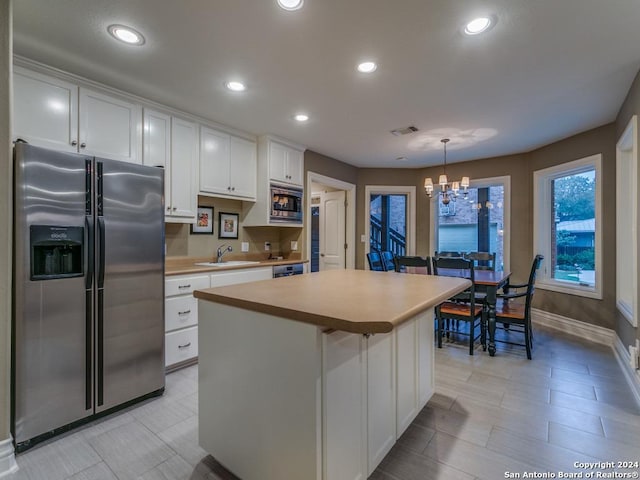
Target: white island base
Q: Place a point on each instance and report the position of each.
(284, 400)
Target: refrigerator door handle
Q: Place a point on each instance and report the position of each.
(101, 254)
(88, 350)
(100, 348)
(89, 242)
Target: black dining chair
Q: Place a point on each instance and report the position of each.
(448, 254)
(482, 260)
(518, 313)
(375, 262)
(401, 264)
(453, 309)
(387, 260)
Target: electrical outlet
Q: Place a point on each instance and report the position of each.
(363, 238)
(267, 246)
(294, 245)
(244, 246)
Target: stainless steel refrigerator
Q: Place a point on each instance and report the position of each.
(88, 332)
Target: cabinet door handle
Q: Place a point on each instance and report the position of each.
(174, 208)
(233, 189)
(74, 143)
(168, 209)
(83, 145)
(185, 345)
(184, 286)
(184, 313)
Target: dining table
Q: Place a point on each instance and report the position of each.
(489, 282)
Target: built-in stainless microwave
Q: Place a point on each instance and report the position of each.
(286, 204)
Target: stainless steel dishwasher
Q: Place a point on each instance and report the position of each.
(288, 270)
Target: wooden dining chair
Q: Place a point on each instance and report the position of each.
(375, 262)
(452, 309)
(510, 312)
(387, 260)
(482, 260)
(423, 265)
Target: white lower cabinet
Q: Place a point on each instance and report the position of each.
(233, 277)
(181, 309)
(181, 318)
(373, 388)
(381, 398)
(344, 406)
(181, 345)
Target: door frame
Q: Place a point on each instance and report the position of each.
(410, 192)
(350, 213)
(505, 181)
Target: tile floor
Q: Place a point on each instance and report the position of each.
(488, 416)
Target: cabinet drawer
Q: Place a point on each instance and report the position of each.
(241, 276)
(180, 346)
(184, 285)
(180, 312)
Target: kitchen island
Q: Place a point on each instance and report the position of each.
(315, 376)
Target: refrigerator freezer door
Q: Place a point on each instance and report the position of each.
(52, 316)
(130, 324)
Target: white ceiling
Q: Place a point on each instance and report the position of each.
(547, 70)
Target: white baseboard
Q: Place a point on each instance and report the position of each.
(596, 334)
(574, 327)
(8, 463)
(632, 376)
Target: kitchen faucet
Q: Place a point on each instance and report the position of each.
(221, 251)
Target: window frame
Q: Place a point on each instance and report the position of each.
(505, 182)
(542, 212)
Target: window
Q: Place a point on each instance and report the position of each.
(567, 227)
(478, 223)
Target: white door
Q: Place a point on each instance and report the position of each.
(332, 231)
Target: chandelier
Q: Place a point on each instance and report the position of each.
(448, 191)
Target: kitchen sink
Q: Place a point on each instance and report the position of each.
(230, 263)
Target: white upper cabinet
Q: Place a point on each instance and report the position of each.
(184, 164)
(45, 110)
(52, 113)
(156, 148)
(285, 164)
(110, 127)
(243, 167)
(214, 162)
(227, 165)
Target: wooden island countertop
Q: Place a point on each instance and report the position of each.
(355, 301)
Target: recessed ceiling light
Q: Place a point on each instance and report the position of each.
(367, 67)
(236, 86)
(401, 159)
(478, 25)
(126, 34)
(301, 117)
(290, 4)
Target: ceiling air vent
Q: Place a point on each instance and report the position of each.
(404, 131)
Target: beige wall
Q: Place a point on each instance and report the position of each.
(599, 140)
(181, 242)
(630, 107)
(6, 207)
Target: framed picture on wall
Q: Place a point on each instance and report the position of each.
(204, 221)
(228, 225)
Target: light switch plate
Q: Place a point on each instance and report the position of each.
(294, 245)
(363, 238)
(244, 246)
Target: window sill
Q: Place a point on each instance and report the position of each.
(589, 292)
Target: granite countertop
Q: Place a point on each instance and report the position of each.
(355, 301)
(187, 265)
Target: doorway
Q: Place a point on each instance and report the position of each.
(331, 225)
